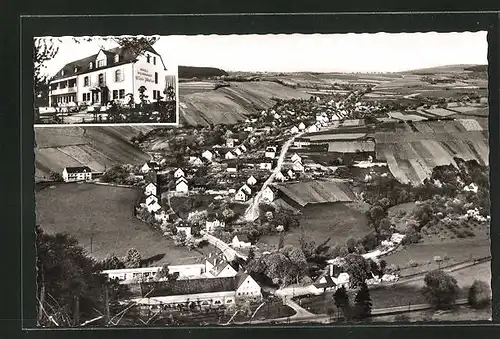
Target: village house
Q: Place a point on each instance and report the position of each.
(202, 293)
(291, 174)
(223, 269)
(135, 275)
(268, 194)
(150, 199)
(302, 126)
(241, 196)
(295, 157)
(150, 189)
(238, 151)
(251, 180)
(246, 189)
(149, 166)
(211, 224)
(232, 167)
(312, 129)
(161, 216)
(196, 161)
(298, 167)
(243, 148)
(207, 155)
(181, 185)
(301, 142)
(237, 243)
(230, 142)
(229, 155)
(153, 206)
(266, 165)
(179, 173)
(270, 152)
(294, 130)
(71, 174)
(280, 177)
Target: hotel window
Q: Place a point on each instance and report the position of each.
(85, 81)
(90, 65)
(148, 58)
(154, 60)
(100, 63)
(117, 58)
(101, 79)
(115, 94)
(118, 75)
(62, 72)
(156, 77)
(75, 69)
(122, 94)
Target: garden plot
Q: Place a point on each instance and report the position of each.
(470, 124)
(440, 112)
(405, 117)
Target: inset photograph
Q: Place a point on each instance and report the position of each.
(103, 80)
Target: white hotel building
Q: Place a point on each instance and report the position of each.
(111, 75)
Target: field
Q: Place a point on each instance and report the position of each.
(104, 213)
(405, 117)
(230, 105)
(411, 155)
(462, 313)
(96, 147)
(313, 192)
(322, 221)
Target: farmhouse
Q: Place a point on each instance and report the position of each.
(207, 155)
(179, 173)
(312, 129)
(134, 275)
(297, 166)
(109, 75)
(71, 174)
(229, 155)
(150, 189)
(279, 176)
(268, 194)
(251, 180)
(222, 270)
(153, 206)
(302, 126)
(196, 161)
(238, 151)
(150, 165)
(240, 196)
(181, 185)
(294, 130)
(201, 293)
(150, 199)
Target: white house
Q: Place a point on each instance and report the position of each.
(267, 165)
(291, 174)
(222, 270)
(243, 148)
(239, 244)
(246, 189)
(230, 142)
(207, 155)
(181, 185)
(150, 166)
(150, 189)
(110, 75)
(270, 152)
(212, 225)
(296, 157)
(294, 130)
(229, 155)
(196, 161)
(150, 199)
(312, 129)
(153, 206)
(268, 194)
(179, 173)
(298, 167)
(238, 152)
(232, 167)
(302, 126)
(161, 216)
(240, 196)
(251, 181)
(71, 174)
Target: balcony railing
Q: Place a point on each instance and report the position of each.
(66, 90)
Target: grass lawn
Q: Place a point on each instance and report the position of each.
(461, 313)
(322, 221)
(105, 213)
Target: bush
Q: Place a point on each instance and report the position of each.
(441, 289)
(479, 295)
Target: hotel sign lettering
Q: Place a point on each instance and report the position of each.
(144, 75)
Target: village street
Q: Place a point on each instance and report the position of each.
(252, 211)
(228, 251)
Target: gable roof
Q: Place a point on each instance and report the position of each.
(78, 169)
(329, 282)
(189, 286)
(82, 65)
(219, 268)
(180, 180)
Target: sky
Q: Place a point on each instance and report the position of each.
(380, 52)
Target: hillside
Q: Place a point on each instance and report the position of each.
(229, 105)
(95, 147)
(188, 72)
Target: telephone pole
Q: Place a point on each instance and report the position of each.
(106, 305)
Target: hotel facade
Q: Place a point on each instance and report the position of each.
(111, 75)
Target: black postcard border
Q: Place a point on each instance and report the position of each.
(20, 130)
